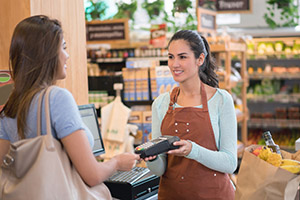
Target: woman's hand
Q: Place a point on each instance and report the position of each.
(126, 161)
(150, 158)
(184, 149)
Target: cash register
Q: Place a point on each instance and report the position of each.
(136, 184)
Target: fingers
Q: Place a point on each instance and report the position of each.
(137, 157)
(184, 149)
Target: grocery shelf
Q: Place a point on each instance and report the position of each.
(229, 46)
(272, 75)
(223, 51)
(147, 58)
(279, 123)
(281, 98)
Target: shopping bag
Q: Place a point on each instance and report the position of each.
(114, 118)
(39, 168)
(259, 180)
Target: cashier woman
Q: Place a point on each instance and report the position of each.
(203, 117)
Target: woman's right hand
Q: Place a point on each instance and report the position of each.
(150, 158)
(126, 161)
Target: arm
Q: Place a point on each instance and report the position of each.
(4, 146)
(91, 171)
(159, 165)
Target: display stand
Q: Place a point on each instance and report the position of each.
(227, 48)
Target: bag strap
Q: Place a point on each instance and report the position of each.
(46, 93)
(47, 111)
(39, 110)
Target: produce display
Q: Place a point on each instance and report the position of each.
(273, 49)
(266, 154)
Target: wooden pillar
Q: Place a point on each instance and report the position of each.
(71, 15)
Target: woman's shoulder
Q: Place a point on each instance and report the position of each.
(162, 99)
(222, 96)
(58, 92)
(60, 95)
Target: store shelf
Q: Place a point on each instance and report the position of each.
(229, 46)
(147, 58)
(223, 51)
(281, 98)
(279, 123)
(272, 75)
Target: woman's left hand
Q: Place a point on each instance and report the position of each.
(184, 149)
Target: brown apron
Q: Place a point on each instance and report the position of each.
(186, 178)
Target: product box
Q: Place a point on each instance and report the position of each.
(136, 118)
(161, 80)
(145, 84)
(129, 84)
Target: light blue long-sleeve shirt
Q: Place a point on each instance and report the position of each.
(224, 124)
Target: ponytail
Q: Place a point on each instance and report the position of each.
(207, 72)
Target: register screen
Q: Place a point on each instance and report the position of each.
(90, 119)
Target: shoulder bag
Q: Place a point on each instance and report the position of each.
(39, 168)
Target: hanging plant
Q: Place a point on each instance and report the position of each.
(153, 9)
(181, 6)
(126, 10)
(288, 13)
(95, 10)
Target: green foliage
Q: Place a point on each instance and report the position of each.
(288, 13)
(95, 10)
(153, 9)
(181, 6)
(126, 10)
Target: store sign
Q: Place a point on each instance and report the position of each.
(226, 6)
(206, 20)
(233, 5)
(107, 31)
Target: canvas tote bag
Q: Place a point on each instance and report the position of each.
(39, 168)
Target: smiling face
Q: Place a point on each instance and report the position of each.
(63, 57)
(182, 62)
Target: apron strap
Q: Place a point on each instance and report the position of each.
(173, 98)
(203, 98)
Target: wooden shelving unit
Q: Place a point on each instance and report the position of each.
(227, 48)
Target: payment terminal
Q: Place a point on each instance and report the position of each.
(157, 146)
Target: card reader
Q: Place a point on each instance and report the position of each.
(157, 146)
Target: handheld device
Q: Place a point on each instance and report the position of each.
(157, 146)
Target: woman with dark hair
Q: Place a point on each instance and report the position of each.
(203, 117)
(37, 60)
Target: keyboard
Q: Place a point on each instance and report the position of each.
(129, 176)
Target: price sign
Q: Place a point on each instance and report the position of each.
(107, 31)
(206, 20)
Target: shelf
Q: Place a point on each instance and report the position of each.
(147, 58)
(120, 60)
(279, 123)
(272, 75)
(109, 60)
(229, 46)
(281, 98)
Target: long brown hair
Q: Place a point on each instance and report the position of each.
(34, 60)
